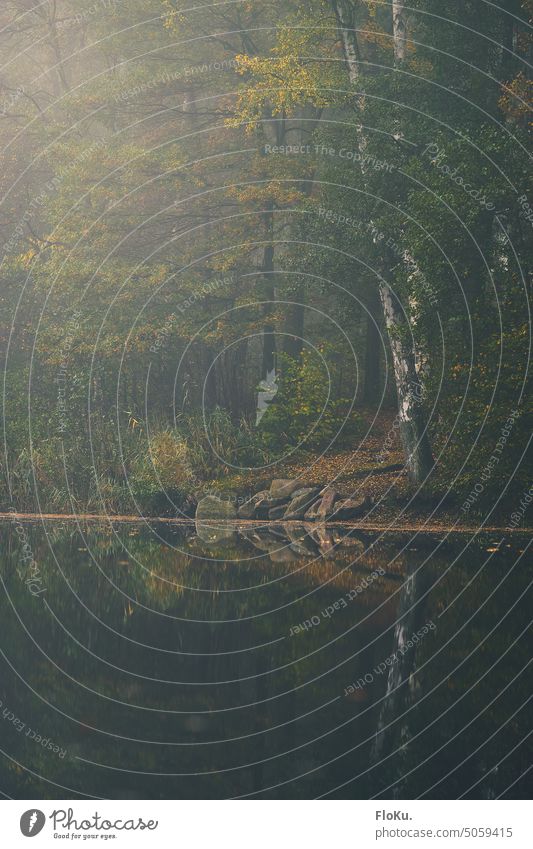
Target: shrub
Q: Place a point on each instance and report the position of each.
(305, 412)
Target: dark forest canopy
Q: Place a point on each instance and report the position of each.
(228, 243)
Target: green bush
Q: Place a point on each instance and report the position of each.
(305, 413)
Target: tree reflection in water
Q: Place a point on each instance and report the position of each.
(161, 659)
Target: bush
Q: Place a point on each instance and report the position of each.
(305, 412)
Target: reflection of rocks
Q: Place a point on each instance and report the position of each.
(347, 540)
(262, 541)
(301, 542)
(276, 545)
(310, 540)
(283, 555)
(213, 533)
(324, 539)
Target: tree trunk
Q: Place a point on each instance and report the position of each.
(294, 326)
(399, 29)
(269, 339)
(411, 417)
(345, 14)
(413, 429)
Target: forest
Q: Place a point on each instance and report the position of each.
(254, 240)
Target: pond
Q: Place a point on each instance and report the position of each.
(163, 661)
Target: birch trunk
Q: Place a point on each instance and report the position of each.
(412, 422)
(399, 29)
(345, 14)
(411, 417)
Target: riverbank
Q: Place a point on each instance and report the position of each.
(365, 525)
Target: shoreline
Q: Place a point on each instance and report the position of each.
(432, 528)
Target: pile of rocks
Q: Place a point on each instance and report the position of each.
(289, 500)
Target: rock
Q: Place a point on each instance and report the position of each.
(266, 503)
(247, 510)
(277, 512)
(351, 509)
(312, 513)
(323, 508)
(300, 503)
(188, 508)
(284, 488)
(305, 490)
(212, 507)
(329, 497)
(265, 493)
(260, 503)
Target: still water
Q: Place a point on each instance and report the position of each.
(190, 662)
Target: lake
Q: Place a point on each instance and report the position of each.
(164, 661)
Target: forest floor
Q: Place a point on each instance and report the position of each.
(353, 471)
(374, 467)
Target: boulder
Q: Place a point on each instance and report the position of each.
(266, 503)
(350, 509)
(300, 503)
(325, 508)
(259, 496)
(305, 490)
(277, 512)
(247, 510)
(188, 508)
(212, 507)
(284, 488)
(312, 513)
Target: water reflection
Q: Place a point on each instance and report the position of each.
(210, 662)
